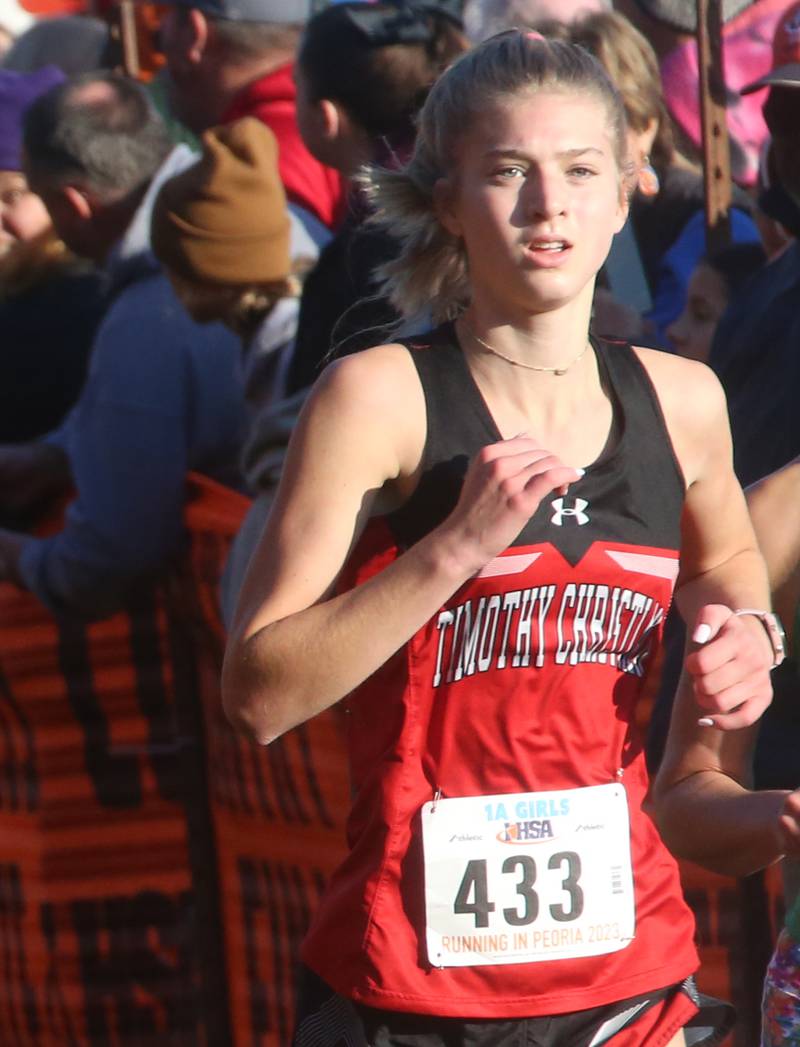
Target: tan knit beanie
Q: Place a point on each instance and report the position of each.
(224, 220)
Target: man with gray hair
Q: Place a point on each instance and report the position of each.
(164, 394)
(232, 58)
(484, 18)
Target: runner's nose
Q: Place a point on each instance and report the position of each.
(545, 195)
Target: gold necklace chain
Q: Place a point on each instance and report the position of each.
(519, 363)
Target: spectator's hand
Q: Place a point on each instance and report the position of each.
(730, 667)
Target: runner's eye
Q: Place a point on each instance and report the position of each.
(581, 172)
(508, 171)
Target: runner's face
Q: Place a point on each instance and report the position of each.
(537, 198)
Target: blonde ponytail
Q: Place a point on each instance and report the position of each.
(430, 270)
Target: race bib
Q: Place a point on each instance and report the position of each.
(527, 876)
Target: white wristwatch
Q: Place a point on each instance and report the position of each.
(774, 630)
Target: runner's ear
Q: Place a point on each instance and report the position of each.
(444, 204)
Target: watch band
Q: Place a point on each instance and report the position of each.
(774, 630)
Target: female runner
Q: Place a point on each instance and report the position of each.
(474, 545)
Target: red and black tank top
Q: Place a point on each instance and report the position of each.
(527, 679)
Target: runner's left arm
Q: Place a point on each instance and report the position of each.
(703, 802)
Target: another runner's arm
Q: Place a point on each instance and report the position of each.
(704, 807)
(296, 648)
(774, 504)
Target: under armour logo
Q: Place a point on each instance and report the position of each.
(575, 511)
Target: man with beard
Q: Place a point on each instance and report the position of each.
(232, 58)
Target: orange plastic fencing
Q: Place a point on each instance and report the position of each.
(737, 923)
(157, 871)
(278, 822)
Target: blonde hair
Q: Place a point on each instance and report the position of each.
(430, 271)
(239, 307)
(632, 65)
(27, 263)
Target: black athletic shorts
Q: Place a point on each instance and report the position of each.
(325, 1019)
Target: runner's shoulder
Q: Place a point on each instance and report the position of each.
(688, 390)
(378, 378)
(377, 395)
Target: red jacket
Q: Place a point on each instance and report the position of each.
(312, 185)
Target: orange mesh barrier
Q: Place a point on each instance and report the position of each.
(278, 818)
(156, 870)
(737, 923)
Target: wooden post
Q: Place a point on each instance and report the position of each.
(124, 27)
(716, 151)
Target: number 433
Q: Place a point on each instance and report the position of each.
(473, 898)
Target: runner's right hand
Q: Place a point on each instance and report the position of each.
(504, 485)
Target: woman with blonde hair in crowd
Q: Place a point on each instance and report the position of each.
(223, 233)
(668, 207)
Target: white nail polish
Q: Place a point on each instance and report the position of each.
(702, 633)
(580, 472)
(705, 721)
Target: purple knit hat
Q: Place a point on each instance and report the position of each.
(17, 91)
